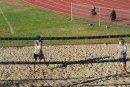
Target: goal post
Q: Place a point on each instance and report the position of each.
(82, 12)
(71, 11)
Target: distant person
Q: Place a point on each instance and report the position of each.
(38, 53)
(121, 54)
(113, 15)
(93, 11)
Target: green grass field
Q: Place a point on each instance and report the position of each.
(28, 21)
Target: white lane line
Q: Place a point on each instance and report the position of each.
(7, 21)
(30, 3)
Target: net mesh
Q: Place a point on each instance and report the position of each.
(83, 12)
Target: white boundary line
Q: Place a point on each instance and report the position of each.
(7, 21)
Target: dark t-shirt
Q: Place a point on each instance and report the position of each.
(113, 15)
(93, 11)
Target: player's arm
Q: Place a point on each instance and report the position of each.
(39, 48)
(116, 53)
(125, 49)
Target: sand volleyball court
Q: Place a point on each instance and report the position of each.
(70, 66)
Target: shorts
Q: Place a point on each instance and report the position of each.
(93, 13)
(122, 60)
(41, 56)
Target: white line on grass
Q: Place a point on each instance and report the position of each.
(7, 21)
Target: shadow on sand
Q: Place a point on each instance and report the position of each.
(17, 83)
(80, 81)
(105, 78)
(66, 63)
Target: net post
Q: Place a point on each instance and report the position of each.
(99, 16)
(71, 11)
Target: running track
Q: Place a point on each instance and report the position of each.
(64, 7)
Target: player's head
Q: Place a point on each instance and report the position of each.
(38, 37)
(113, 9)
(92, 7)
(121, 41)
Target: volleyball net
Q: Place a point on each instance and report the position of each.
(24, 41)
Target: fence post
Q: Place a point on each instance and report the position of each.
(71, 11)
(99, 16)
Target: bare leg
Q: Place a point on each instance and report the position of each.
(92, 16)
(123, 68)
(34, 64)
(121, 64)
(46, 64)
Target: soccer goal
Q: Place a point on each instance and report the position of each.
(83, 12)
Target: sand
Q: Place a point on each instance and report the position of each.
(87, 66)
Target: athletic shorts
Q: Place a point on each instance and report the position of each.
(41, 56)
(122, 60)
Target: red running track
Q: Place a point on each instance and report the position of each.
(64, 7)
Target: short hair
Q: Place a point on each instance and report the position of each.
(122, 40)
(38, 37)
